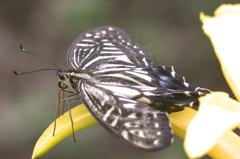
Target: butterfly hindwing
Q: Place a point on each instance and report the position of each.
(158, 98)
(106, 47)
(133, 122)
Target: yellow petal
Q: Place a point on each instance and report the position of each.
(223, 30)
(81, 118)
(181, 120)
(217, 115)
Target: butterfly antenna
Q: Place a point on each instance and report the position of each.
(23, 50)
(19, 73)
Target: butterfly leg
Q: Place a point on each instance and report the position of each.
(57, 112)
(70, 114)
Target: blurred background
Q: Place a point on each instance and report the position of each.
(170, 29)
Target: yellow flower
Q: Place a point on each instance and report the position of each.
(209, 130)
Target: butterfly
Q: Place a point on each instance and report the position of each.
(131, 99)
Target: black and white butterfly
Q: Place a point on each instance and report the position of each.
(115, 80)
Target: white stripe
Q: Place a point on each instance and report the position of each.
(96, 59)
(187, 93)
(144, 100)
(108, 114)
(173, 74)
(145, 88)
(125, 134)
(155, 115)
(74, 58)
(103, 32)
(138, 68)
(124, 77)
(135, 47)
(141, 52)
(78, 56)
(191, 104)
(88, 35)
(87, 55)
(145, 72)
(104, 40)
(186, 84)
(113, 124)
(112, 69)
(141, 134)
(131, 125)
(88, 40)
(140, 75)
(128, 100)
(111, 52)
(144, 60)
(148, 94)
(84, 45)
(110, 48)
(117, 65)
(109, 28)
(124, 58)
(108, 44)
(129, 105)
(155, 142)
(114, 65)
(127, 92)
(133, 115)
(83, 75)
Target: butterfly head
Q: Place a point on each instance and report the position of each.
(65, 80)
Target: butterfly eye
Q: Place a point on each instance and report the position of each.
(62, 76)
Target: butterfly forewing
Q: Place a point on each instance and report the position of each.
(133, 122)
(106, 47)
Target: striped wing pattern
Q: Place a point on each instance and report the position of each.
(106, 47)
(115, 80)
(164, 77)
(132, 122)
(158, 98)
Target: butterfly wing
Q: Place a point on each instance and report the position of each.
(162, 77)
(159, 87)
(166, 100)
(134, 123)
(106, 47)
